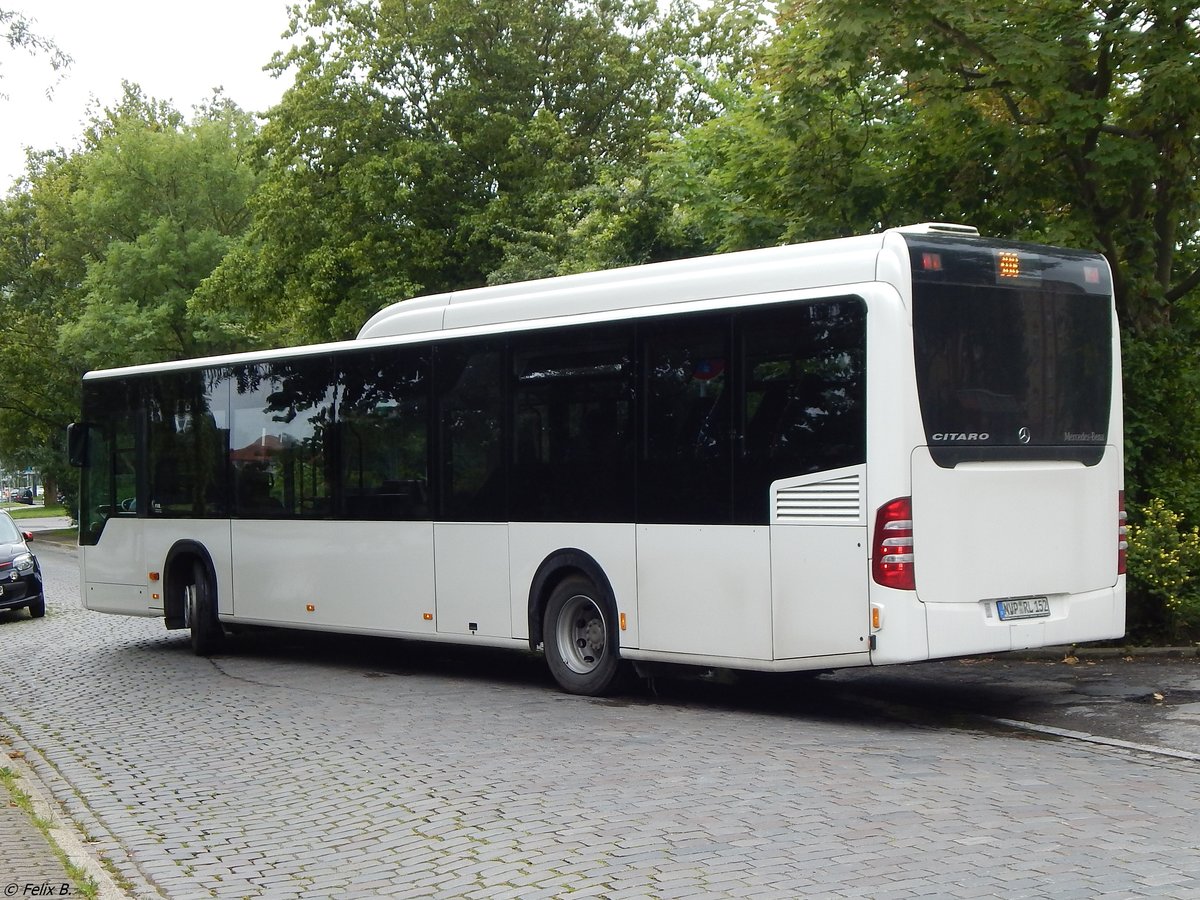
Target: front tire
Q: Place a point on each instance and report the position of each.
(580, 635)
(200, 612)
(37, 606)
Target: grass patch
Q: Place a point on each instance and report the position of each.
(21, 511)
(83, 882)
(64, 537)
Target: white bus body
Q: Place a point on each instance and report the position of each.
(708, 551)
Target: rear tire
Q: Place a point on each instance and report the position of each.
(37, 606)
(580, 636)
(200, 612)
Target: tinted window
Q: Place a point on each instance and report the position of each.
(470, 388)
(1013, 372)
(281, 438)
(1013, 346)
(684, 474)
(188, 432)
(573, 425)
(109, 486)
(384, 430)
(803, 370)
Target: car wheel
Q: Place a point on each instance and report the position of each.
(200, 612)
(580, 636)
(37, 606)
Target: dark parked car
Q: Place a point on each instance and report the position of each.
(20, 574)
(25, 496)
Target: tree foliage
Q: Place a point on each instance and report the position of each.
(421, 145)
(1068, 121)
(102, 251)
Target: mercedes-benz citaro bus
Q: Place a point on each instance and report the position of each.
(880, 449)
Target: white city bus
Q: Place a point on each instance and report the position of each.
(880, 449)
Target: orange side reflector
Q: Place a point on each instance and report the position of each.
(428, 617)
(310, 608)
(155, 597)
(622, 621)
(874, 616)
(153, 576)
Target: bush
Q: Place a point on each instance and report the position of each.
(1163, 576)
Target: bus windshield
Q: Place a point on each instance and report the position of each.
(1016, 370)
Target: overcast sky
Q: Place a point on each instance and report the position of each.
(177, 50)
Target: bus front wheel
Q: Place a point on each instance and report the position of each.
(200, 612)
(580, 635)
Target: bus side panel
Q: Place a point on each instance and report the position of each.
(819, 557)
(613, 547)
(368, 576)
(705, 590)
(113, 573)
(212, 534)
(472, 579)
(820, 590)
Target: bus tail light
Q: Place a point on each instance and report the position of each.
(892, 548)
(1122, 533)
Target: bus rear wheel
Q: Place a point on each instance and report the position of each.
(580, 635)
(200, 612)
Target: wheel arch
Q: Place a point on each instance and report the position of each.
(554, 568)
(176, 571)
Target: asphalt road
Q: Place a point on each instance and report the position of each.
(299, 765)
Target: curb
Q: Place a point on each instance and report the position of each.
(63, 831)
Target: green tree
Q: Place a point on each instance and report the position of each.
(38, 394)
(421, 146)
(157, 201)
(101, 252)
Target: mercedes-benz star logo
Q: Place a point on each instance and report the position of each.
(1023, 434)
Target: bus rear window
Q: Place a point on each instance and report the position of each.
(1013, 372)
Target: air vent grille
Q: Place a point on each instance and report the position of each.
(836, 501)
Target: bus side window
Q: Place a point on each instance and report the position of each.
(804, 396)
(383, 433)
(684, 473)
(282, 423)
(471, 415)
(573, 445)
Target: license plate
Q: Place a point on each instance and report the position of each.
(1023, 608)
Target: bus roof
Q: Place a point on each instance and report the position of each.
(840, 261)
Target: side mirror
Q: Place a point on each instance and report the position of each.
(28, 535)
(78, 439)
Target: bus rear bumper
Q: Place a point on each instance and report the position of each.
(963, 629)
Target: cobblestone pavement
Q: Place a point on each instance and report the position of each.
(304, 766)
(26, 857)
